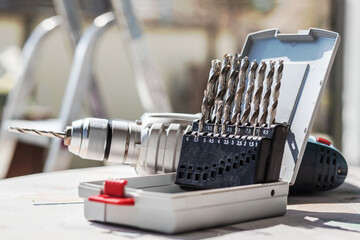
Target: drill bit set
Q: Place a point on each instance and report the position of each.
(236, 141)
(254, 125)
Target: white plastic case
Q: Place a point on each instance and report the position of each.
(162, 206)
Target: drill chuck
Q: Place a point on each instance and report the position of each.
(151, 144)
(101, 139)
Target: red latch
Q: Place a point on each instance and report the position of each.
(114, 193)
(323, 141)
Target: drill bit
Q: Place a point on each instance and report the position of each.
(237, 123)
(204, 107)
(224, 76)
(249, 92)
(220, 108)
(229, 97)
(211, 85)
(266, 98)
(258, 93)
(63, 135)
(276, 91)
(240, 90)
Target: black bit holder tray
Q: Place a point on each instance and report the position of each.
(252, 155)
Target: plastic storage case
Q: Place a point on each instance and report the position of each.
(160, 205)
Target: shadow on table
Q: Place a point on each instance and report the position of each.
(348, 222)
(346, 193)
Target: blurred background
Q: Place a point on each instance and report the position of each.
(41, 54)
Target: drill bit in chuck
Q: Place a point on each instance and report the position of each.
(63, 135)
(276, 91)
(266, 98)
(223, 79)
(230, 93)
(240, 90)
(249, 92)
(258, 93)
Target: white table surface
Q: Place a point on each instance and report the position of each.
(47, 206)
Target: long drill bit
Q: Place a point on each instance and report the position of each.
(211, 86)
(266, 98)
(230, 93)
(37, 132)
(276, 91)
(240, 89)
(219, 112)
(66, 135)
(224, 76)
(258, 93)
(204, 107)
(249, 92)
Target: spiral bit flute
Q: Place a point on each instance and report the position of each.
(249, 92)
(38, 132)
(224, 76)
(204, 107)
(240, 90)
(266, 98)
(230, 93)
(211, 86)
(276, 91)
(219, 112)
(258, 93)
(66, 135)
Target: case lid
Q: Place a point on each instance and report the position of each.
(308, 57)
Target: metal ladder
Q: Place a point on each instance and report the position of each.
(81, 80)
(16, 100)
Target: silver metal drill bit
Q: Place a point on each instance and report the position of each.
(239, 96)
(230, 92)
(249, 92)
(237, 123)
(225, 117)
(258, 94)
(211, 86)
(220, 108)
(276, 91)
(223, 79)
(37, 132)
(204, 107)
(63, 135)
(266, 98)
